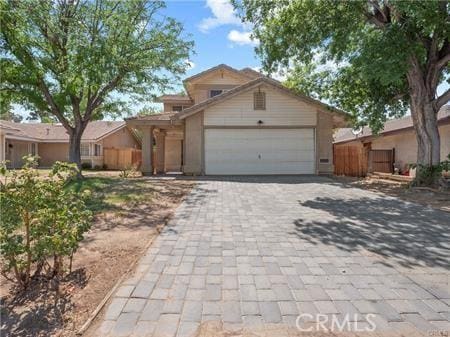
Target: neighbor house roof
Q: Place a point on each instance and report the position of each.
(45, 132)
(174, 98)
(248, 86)
(391, 126)
(163, 116)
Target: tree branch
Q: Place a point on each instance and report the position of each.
(442, 100)
(54, 107)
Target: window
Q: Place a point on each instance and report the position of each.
(33, 149)
(177, 108)
(213, 93)
(324, 160)
(84, 149)
(97, 150)
(259, 100)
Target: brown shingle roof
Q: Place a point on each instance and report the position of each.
(55, 132)
(163, 116)
(174, 98)
(394, 125)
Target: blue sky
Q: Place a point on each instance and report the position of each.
(218, 34)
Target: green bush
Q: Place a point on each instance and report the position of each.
(97, 167)
(42, 221)
(430, 175)
(86, 166)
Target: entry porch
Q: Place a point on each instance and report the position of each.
(162, 143)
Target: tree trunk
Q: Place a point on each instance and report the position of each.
(74, 147)
(424, 117)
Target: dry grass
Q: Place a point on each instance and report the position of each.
(127, 214)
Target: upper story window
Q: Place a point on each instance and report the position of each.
(213, 93)
(84, 149)
(259, 100)
(177, 108)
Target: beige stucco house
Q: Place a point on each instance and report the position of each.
(51, 141)
(399, 135)
(238, 122)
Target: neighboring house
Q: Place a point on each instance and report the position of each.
(238, 122)
(397, 135)
(51, 141)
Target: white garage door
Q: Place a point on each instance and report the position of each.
(259, 151)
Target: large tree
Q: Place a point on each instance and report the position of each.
(375, 59)
(78, 60)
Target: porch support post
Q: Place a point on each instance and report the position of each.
(3, 146)
(160, 139)
(147, 151)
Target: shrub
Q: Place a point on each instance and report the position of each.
(104, 167)
(86, 166)
(97, 167)
(42, 221)
(430, 175)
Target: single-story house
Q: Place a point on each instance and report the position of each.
(238, 122)
(397, 135)
(51, 141)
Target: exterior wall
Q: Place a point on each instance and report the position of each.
(168, 107)
(221, 79)
(120, 139)
(405, 145)
(281, 110)
(193, 144)
(173, 154)
(15, 150)
(324, 140)
(51, 152)
(444, 132)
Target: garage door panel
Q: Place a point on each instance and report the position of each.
(259, 151)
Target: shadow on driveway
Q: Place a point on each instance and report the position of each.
(407, 233)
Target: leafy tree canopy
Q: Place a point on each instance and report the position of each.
(81, 60)
(358, 55)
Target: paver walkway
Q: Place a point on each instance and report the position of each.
(257, 251)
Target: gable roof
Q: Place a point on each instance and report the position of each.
(250, 85)
(45, 132)
(213, 69)
(391, 126)
(251, 72)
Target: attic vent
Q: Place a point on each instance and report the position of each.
(259, 100)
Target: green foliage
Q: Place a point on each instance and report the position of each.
(86, 165)
(78, 61)
(41, 220)
(430, 175)
(354, 54)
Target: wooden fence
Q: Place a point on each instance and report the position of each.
(120, 159)
(381, 161)
(350, 161)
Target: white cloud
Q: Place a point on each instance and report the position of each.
(242, 38)
(223, 14)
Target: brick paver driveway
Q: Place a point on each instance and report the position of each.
(257, 251)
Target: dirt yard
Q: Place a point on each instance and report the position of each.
(128, 214)
(427, 197)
